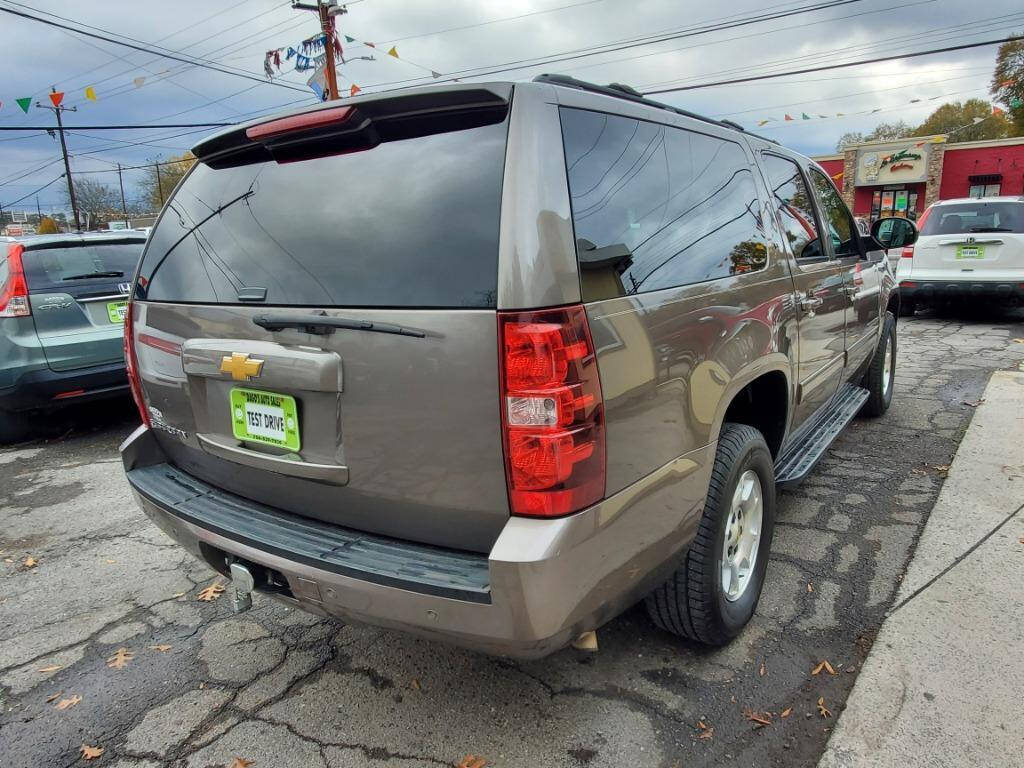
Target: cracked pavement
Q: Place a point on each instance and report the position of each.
(284, 688)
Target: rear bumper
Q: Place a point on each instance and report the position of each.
(929, 291)
(45, 388)
(544, 582)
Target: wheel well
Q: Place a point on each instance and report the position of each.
(894, 305)
(763, 405)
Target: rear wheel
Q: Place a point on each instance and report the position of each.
(713, 594)
(13, 427)
(881, 374)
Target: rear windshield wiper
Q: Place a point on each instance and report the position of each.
(88, 275)
(989, 229)
(323, 325)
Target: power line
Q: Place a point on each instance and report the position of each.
(115, 127)
(144, 49)
(825, 67)
(33, 192)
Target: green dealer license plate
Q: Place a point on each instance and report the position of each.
(116, 310)
(970, 252)
(265, 417)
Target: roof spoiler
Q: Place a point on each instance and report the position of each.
(359, 123)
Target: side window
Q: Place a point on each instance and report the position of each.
(792, 203)
(658, 207)
(841, 228)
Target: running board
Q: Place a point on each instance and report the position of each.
(800, 456)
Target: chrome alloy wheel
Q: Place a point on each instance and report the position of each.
(887, 367)
(742, 536)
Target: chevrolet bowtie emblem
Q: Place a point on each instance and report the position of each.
(240, 366)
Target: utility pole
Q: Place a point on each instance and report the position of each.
(57, 108)
(39, 212)
(159, 185)
(327, 10)
(124, 206)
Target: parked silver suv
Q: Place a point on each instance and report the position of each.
(491, 363)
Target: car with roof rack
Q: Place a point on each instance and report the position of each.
(490, 363)
(62, 304)
(969, 249)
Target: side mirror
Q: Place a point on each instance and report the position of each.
(894, 232)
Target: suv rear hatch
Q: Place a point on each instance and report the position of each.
(315, 316)
(78, 291)
(977, 240)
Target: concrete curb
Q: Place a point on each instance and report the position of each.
(942, 684)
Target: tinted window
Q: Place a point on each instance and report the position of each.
(657, 207)
(961, 218)
(842, 231)
(58, 268)
(408, 223)
(792, 203)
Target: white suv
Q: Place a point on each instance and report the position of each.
(968, 248)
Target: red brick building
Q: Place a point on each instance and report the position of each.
(901, 178)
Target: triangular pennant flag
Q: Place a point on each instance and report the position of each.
(920, 143)
(434, 74)
(24, 104)
(840, 114)
(976, 120)
(90, 93)
(997, 111)
(393, 52)
(1006, 83)
(823, 116)
(349, 39)
(804, 116)
(787, 117)
(914, 101)
(370, 44)
(354, 90)
(57, 97)
(762, 122)
(139, 81)
(837, 176)
(877, 109)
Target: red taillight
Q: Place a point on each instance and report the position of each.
(131, 364)
(14, 291)
(908, 284)
(551, 411)
(907, 252)
(303, 122)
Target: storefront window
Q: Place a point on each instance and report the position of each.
(984, 190)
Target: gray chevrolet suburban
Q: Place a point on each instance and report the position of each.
(491, 363)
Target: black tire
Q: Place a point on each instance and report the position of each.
(692, 603)
(13, 427)
(880, 391)
(907, 308)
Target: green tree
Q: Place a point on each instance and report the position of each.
(849, 139)
(157, 186)
(890, 131)
(1008, 82)
(970, 121)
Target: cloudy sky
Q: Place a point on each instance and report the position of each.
(460, 38)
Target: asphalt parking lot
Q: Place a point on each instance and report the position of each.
(83, 574)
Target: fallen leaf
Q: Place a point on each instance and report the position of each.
(974, 403)
(786, 712)
(764, 670)
(179, 594)
(940, 467)
(51, 668)
(824, 665)
(30, 562)
(810, 587)
(761, 718)
(706, 731)
(415, 684)
(68, 703)
(1018, 341)
(53, 696)
(1021, 539)
(110, 562)
(240, 762)
(472, 761)
(91, 753)
(120, 658)
(8, 559)
(161, 648)
(211, 593)
(822, 709)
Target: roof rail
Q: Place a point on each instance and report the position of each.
(620, 91)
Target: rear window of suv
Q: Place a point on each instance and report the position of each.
(409, 223)
(961, 218)
(57, 267)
